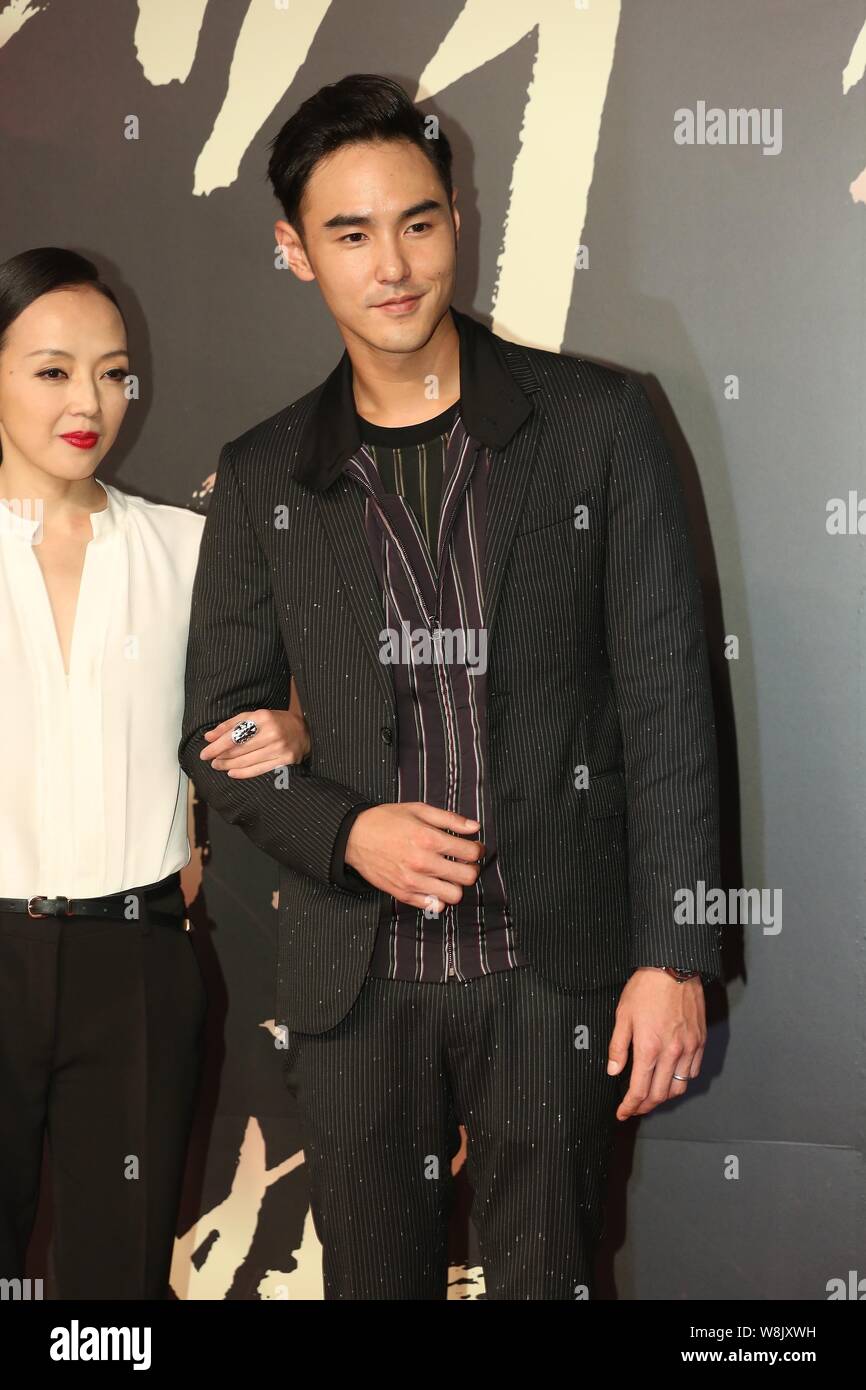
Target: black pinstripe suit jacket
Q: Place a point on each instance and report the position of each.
(597, 660)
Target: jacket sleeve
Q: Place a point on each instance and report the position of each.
(660, 669)
(236, 661)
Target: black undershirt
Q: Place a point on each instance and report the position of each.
(411, 462)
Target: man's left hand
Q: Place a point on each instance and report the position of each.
(665, 1024)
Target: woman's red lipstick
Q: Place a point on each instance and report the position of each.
(82, 439)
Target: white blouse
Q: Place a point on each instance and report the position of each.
(92, 797)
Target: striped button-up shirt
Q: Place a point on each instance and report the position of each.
(426, 491)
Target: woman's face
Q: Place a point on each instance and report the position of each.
(62, 373)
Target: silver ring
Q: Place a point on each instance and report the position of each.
(680, 1078)
(241, 732)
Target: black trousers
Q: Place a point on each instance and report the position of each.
(523, 1066)
(100, 1045)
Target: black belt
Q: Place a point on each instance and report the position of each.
(114, 906)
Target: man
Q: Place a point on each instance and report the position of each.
(472, 557)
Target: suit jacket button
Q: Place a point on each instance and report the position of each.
(387, 736)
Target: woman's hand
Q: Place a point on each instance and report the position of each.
(281, 739)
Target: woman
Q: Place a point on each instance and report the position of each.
(101, 998)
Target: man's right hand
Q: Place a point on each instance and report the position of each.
(404, 849)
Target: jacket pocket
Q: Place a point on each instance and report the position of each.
(532, 523)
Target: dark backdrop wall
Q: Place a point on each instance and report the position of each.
(603, 215)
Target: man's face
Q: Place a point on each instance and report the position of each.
(377, 227)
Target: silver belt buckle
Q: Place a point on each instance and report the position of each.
(39, 897)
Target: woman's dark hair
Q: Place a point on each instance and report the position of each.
(360, 107)
(23, 278)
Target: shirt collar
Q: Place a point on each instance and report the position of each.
(492, 405)
(24, 520)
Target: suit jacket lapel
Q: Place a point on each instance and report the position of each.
(510, 473)
(341, 509)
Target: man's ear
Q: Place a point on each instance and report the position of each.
(292, 250)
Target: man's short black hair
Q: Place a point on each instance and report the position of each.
(361, 107)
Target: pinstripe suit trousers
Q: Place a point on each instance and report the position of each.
(517, 1060)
